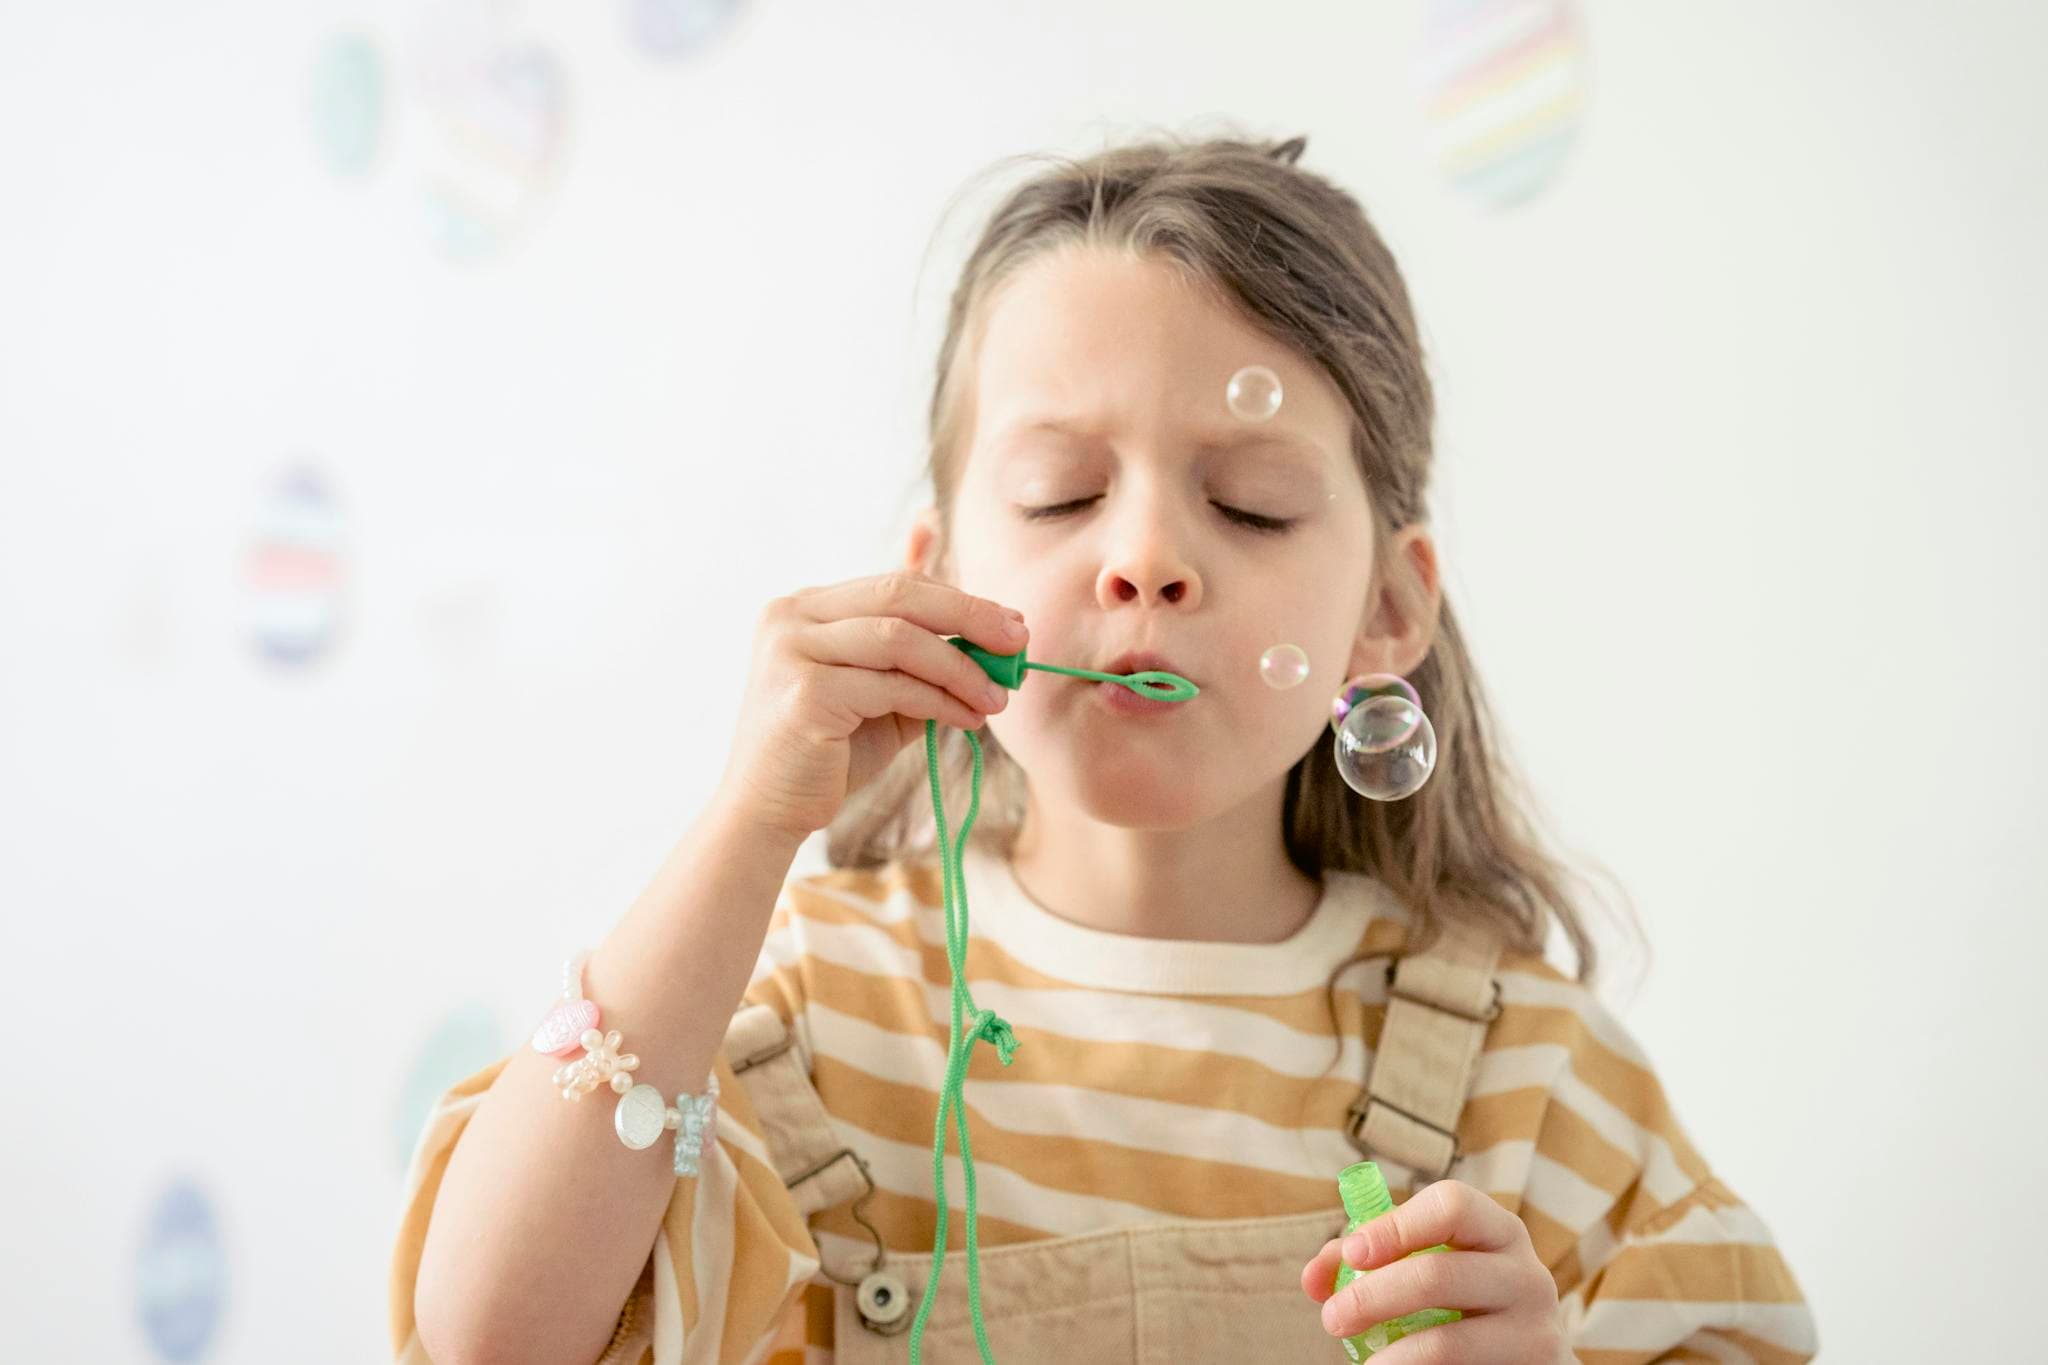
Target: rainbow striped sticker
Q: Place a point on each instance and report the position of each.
(1502, 83)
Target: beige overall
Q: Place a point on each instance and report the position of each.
(1174, 1291)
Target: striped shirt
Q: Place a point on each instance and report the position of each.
(1173, 1079)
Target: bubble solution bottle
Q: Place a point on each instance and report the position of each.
(1364, 1191)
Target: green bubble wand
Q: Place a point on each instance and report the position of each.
(1008, 670)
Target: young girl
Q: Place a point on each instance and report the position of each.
(1214, 973)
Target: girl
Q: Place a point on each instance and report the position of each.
(1215, 975)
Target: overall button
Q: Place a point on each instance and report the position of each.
(883, 1302)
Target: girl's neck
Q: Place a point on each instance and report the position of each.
(1218, 885)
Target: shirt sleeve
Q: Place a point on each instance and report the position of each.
(732, 1257)
(1655, 1258)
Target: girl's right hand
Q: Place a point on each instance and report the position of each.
(843, 677)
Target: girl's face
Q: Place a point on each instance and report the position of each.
(1111, 495)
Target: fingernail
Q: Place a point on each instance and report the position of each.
(1355, 1249)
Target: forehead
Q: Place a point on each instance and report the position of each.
(1091, 344)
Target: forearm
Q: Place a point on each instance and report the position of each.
(544, 1218)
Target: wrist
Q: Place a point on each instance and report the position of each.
(731, 816)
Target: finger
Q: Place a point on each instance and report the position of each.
(1469, 1281)
(1444, 1211)
(939, 607)
(890, 643)
(1319, 1276)
(867, 695)
(1484, 1340)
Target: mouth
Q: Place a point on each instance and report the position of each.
(1144, 661)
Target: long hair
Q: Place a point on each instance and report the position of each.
(1299, 257)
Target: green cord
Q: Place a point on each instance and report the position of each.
(987, 1024)
(1007, 669)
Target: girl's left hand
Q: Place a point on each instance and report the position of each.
(1490, 1274)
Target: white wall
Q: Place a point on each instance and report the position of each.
(1740, 500)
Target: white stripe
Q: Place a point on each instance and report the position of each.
(1527, 988)
(1045, 1110)
(1660, 1324)
(711, 1254)
(1563, 1195)
(1095, 1016)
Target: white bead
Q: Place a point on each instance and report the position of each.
(590, 1039)
(621, 1082)
(672, 1118)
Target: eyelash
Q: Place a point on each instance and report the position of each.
(1251, 521)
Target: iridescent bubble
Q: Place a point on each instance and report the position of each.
(1386, 748)
(1283, 666)
(1366, 686)
(1254, 393)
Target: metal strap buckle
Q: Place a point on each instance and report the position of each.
(767, 1054)
(1492, 1010)
(1364, 1103)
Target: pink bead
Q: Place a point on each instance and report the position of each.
(561, 1033)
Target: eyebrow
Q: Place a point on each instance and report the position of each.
(1245, 440)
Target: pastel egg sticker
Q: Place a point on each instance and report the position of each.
(346, 102)
(1502, 87)
(494, 109)
(181, 1274)
(676, 28)
(294, 570)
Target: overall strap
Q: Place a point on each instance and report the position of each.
(820, 1171)
(1439, 1004)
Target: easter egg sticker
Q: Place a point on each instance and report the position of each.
(1502, 84)
(676, 28)
(346, 102)
(294, 570)
(494, 110)
(181, 1274)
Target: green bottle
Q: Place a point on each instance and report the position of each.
(1364, 1191)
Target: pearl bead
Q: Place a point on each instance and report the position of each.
(590, 1039)
(621, 1082)
(671, 1118)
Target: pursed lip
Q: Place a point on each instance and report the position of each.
(1144, 661)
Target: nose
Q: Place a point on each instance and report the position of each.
(1151, 571)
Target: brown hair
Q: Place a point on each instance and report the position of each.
(1298, 256)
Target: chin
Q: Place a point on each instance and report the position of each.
(1148, 800)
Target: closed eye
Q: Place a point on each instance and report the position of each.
(1249, 520)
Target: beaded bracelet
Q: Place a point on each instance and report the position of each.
(642, 1115)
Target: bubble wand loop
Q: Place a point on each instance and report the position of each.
(1008, 670)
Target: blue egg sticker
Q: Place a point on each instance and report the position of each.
(181, 1274)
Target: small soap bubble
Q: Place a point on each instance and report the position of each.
(1386, 748)
(1283, 666)
(1254, 393)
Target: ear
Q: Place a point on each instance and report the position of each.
(920, 552)
(1401, 615)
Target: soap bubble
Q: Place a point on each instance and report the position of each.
(1254, 393)
(1386, 747)
(1283, 666)
(1366, 686)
